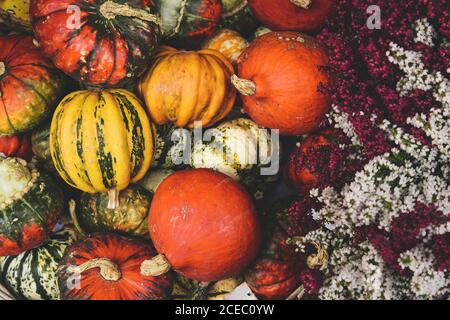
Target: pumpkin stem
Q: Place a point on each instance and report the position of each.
(302, 3)
(110, 10)
(2, 68)
(245, 87)
(319, 259)
(113, 199)
(108, 269)
(155, 267)
(297, 294)
(73, 215)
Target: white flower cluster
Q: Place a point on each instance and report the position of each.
(425, 32)
(341, 121)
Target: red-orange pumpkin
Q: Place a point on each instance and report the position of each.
(294, 15)
(279, 77)
(204, 226)
(107, 267)
(16, 146)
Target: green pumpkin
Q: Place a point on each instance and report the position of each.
(41, 147)
(129, 218)
(30, 206)
(237, 15)
(187, 289)
(32, 275)
(170, 144)
(239, 149)
(154, 178)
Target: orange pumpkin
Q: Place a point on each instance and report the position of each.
(228, 42)
(204, 226)
(16, 146)
(278, 78)
(187, 86)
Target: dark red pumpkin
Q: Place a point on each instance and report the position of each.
(279, 77)
(113, 43)
(292, 15)
(297, 173)
(16, 146)
(204, 226)
(30, 88)
(107, 267)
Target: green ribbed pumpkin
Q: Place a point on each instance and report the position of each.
(40, 143)
(237, 15)
(32, 275)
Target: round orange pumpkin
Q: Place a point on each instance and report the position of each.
(16, 146)
(295, 15)
(228, 42)
(187, 86)
(278, 77)
(204, 226)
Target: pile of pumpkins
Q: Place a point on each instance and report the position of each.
(91, 204)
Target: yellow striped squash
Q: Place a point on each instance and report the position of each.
(101, 140)
(187, 86)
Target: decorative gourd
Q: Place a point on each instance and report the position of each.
(113, 42)
(16, 14)
(279, 77)
(100, 141)
(183, 87)
(261, 31)
(172, 143)
(30, 205)
(292, 15)
(29, 86)
(236, 15)
(40, 142)
(298, 176)
(187, 289)
(189, 22)
(204, 226)
(5, 295)
(107, 267)
(239, 149)
(129, 218)
(153, 179)
(228, 42)
(33, 274)
(16, 146)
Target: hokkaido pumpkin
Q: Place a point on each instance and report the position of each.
(236, 15)
(279, 77)
(129, 218)
(204, 226)
(111, 43)
(228, 42)
(16, 146)
(29, 86)
(187, 86)
(30, 205)
(189, 22)
(16, 14)
(107, 267)
(100, 141)
(292, 15)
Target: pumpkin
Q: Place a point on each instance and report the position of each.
(292, 15)
(107, 267)
(29, 86)
(101, 140)
(16, 14)
(275, 274)
(278, 77)
(40, 143)
(5, 295)
(239, 149)
(237, 15)
(16, 146)
(113, 43)
(184, 87)
(172, 144)
(153, 179)
(189, 22)
(30, 205)
(261, 31)
(187, 289)
(32, 275)
(129, 218)
(297, 173)
(228, 42)
(204, 226)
